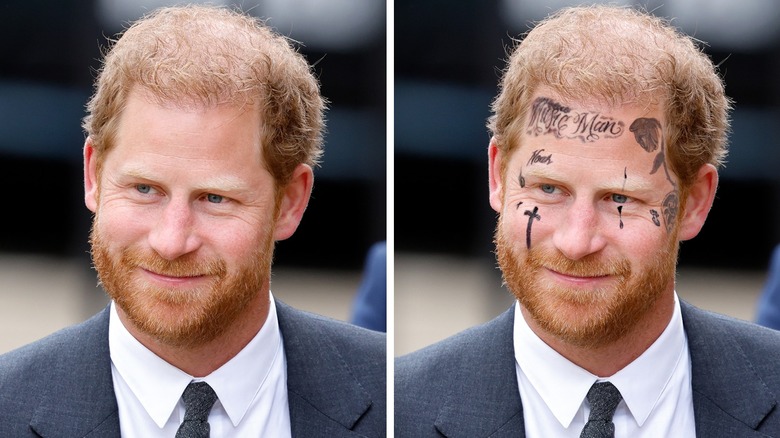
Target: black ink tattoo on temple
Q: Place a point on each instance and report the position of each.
(550, 117)
(521, 180)
(537, 157)
(649, 134)
(531, 216)
(654, 215)
(670, 208)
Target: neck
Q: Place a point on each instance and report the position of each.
(606, 360)
(203, 359)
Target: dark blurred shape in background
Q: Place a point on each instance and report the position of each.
(49, 53)
(448, 58)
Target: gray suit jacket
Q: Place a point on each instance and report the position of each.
(466, 386)
(61, 386)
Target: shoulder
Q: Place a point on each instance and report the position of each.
(490, 339)
(57, 366)
(725, 350)
(336, 371)
(735, 372)
(467, 364)
(707, 329)
(313, 342)
(305, 330)
(66, 346)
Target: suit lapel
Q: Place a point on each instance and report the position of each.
(495, 410)
(325, 398)
(484, 400)
(723, 378)
(80, 400)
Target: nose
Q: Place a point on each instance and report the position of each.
(174, 233)
(578, 233)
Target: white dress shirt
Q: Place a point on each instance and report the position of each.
(252, 387)
(656, 387)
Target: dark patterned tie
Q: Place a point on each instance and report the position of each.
(603, 398)
(198, 399)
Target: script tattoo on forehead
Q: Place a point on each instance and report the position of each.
(537, 157)
(550, 117)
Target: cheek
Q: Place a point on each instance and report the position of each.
(524, 220)
(646, 242)
(234, 240)
(121, 227)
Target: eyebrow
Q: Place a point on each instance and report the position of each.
(217, 183)
(619, 183)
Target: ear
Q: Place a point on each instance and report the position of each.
(90, 176)
(700, 199)
(494, 175)
(295, 198)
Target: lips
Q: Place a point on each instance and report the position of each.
(580, 279)
(173, 278)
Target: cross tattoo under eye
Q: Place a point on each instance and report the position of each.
(531, 216)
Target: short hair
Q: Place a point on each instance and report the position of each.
(619, 55)
(200, 55)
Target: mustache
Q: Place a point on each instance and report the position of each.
(589, 266)
(185, 266)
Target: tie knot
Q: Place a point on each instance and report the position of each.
(198, 398)
(603, 398)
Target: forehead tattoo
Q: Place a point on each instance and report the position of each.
(550, 117)
(649, 134)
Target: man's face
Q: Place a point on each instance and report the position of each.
(586, 238)
(185, 216)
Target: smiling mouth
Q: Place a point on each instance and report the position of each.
(580, 277)
(173, 277)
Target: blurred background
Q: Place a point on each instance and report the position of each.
(448, 60)
(48, 57)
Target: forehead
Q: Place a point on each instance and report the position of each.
(147, 122)
(593, 143)
(217, 146)
(591, 127)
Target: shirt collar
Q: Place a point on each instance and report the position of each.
(158, 385)
(564, 385)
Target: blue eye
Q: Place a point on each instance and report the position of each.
(620, 199)
(547, 188)
(143, 188)
(216, 199)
